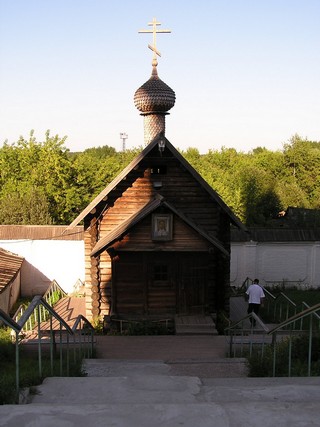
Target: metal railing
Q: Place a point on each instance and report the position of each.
(308, 313)
(244, 338)
(278, 307)
(52, 295)
(316, 316)
(82, 333)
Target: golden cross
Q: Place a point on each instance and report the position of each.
(155, 31)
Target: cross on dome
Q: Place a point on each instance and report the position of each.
(154, 31)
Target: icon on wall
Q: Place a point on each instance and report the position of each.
(162, 227)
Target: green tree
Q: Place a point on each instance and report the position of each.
(302, 166)
(36, 168)
(29, 208)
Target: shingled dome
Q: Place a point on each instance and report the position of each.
(154, 96)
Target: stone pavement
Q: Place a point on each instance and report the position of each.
(147, 396)
(169, 382)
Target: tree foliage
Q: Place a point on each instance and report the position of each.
(43, 183)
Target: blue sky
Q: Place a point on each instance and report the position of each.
(246, 73)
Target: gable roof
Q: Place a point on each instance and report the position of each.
(136, 161)
(123, 228)
(10, 265)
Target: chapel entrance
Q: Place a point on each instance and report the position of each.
(161, 283)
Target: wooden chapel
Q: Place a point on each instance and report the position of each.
(157, 238)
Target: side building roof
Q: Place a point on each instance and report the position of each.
(10, 265)
(276, 235)
(39, 232)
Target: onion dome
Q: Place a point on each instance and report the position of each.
(154, 96)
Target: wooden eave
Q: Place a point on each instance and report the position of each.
(104, 193)
(119, 232)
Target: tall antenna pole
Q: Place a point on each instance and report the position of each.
(123, 136)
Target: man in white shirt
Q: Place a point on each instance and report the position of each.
(255, 295)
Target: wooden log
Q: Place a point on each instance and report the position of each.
(95, 296)
(95, 303)
(95, 312)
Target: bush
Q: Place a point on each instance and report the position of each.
(145, 327)
(7, 349)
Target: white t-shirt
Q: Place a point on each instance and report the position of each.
(255, 293)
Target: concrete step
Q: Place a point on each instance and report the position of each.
(204, 368)
(166, 401)
(113, 390)
(167, 389)
(196, 330)
(195, 325)
(205, 414)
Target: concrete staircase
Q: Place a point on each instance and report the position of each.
(195, 325)
(127, 393)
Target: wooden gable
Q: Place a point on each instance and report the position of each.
(139, 172)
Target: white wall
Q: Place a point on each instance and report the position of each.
(290, 263)
(47, 260)
(63, 261)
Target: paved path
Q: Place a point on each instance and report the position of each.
(167, 381)
(201, 356)
(164, 347)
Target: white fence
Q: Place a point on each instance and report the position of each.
(288, 264)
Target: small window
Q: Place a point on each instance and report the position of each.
(158, 170)
(160, 272)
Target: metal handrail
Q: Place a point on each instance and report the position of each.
(308, 312)
(35, 306)
(248, 335)
(289, 304)
(269, 294)
(53, 287)
(48, 297)
(39, 300)
(296, 317)
(245, 284)
(239, 333)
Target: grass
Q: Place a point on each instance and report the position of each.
(271, 313)
(29, 368)
(262, 367)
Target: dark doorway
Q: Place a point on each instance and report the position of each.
(193, 284)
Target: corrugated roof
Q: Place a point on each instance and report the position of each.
(126, 225)
(40, 232)
(135, 162)
(10, 264)
(276, 235)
